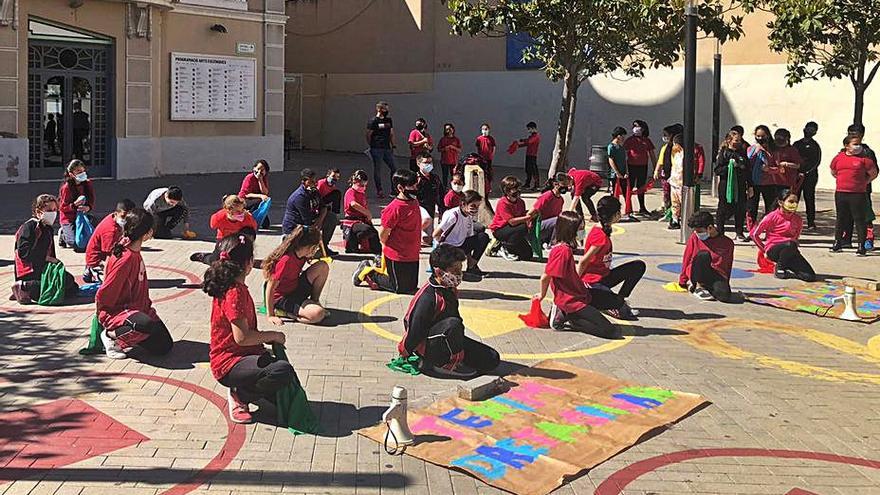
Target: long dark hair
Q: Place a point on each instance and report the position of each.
(770, 144)
(75, 163)
(236, 251)
(138, 222)
(606, 209)
(567, 225)
(672, 130)
(297, 239)
(644, 125)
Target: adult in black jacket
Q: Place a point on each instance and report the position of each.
(734, 202)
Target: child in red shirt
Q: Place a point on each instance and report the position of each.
(357, 226)
(450, 150)
(75, 195)
(586, 184)
(510, 223)
(330, 194)
(255, 189)
(419, 142)
(572, 301)
(549, 205)
(531, 144)
(595, 266)
(708, 261)
(237, 357)
(401, 239)
(123, 300)
(781, 229)
(106, 235)
(486, 149)
(454, 195)
(231, 219)
(292, 290)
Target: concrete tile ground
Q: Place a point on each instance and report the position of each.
(757, 403)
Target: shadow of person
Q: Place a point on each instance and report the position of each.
(675, 314)
(510, 275)
(6, 263)
(482, 295)
(335, 419)
(506, 368)
(640, 331)
(183, 356)
(147, 249)
(167, 283)
(339, 317)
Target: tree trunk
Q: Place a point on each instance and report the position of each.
(859, 86)
(565, 126)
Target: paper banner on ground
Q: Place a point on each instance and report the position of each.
(817, 298)
(554, 422)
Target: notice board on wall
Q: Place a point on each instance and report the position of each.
(213, 87)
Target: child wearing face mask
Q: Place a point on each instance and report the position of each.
(455, 193)
(708, 261)
(75, 195)
(237, 355)
(549, 205)
(106, 235)
(787, 158)
(255, 189)
(486, 145)
(853, 170)
(328, 189)
(419, 142)
(781, 229)
(586, 184)
(450, 150)
(531, 143)
(573, 302)
(357, 225)
(400, 236)
(429, 192)
(433, 327)
(293, 290)
(458, 228)
(231, 219)
(34, 250)
(123, 301)
(510, 225)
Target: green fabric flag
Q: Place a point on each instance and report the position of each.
(697, 196)
(52, 285)
(408, 365)
(293, 405)
(535, 239)
(95, 345)
(731, 182)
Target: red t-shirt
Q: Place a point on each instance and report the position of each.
(224, 226)
(125, 290)
(789, 154)
(852, 172)
(287, 271)
(600, 265)
(569, 292)
(251, 185)
(549, 205)
(404, 220)
(68, 195)
(416, 135)
(106, 235)
(584, 179)
(531, 143)
(325, 188)
(359, 197)
(638, 150)
(720, 250)
(486, 147)
(224, 353)
(505, 210)
(449, 156)
(452, 199)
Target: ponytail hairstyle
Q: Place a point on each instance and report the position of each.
(606, 209)
(230, 201)
(358, 176)
(138, 223)
(567, 225)
(298, 239)
(236, 251)
(40, 203)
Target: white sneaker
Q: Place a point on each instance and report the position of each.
(113, 351)
(507, 255)
(557, 318)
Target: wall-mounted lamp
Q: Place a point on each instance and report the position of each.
(219, 28)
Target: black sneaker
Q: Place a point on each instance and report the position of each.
(557, 318)
(836, 248)
(331, 253)
(197, 257)
(861, 252)
(784, 274)
(673, 226)
(460, 371)
(356, 277)
(61, 242)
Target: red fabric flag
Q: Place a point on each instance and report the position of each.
(536, 317)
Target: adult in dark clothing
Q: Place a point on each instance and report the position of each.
(81, 130)
(434, 329)
(735, 200)
(811, 157)
(380, 138)
(50, 133)
(305, 208)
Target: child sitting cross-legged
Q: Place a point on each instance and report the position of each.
(708, 261)
(292, 289)
(434, 329)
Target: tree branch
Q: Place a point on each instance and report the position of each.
(872, 74)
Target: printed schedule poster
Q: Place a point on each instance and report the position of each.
(211, 87)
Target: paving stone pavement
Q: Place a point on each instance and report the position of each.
(148, 427)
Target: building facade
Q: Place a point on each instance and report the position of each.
(140, 88)
(344, 55)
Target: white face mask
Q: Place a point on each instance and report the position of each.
(702, 235)
(81, 177)
(637, 131)
(857, 149)
(665, 139)
(457, 187)
(48, 217)
(120, 220)
(485, 132)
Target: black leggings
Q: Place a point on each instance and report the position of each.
(788, 257)
(142, 331)
(769, 194)
(475, 245)
(726, 210)
(446, 338)
(515, 240)
(402, 278)
(260, 377)
(809, 191)
(590, 319)
(704, 275)
(639, 178)
(587, 198)
(334, 200)
(31, 284)
(359, 234)
(168, 219)
(532, 170)
(851, 210)
(628, 274)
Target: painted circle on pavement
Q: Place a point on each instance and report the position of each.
(704, 335)
(676, 269)
(617, 482)
(488, 323)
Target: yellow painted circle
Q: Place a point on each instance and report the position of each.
(617, 230)
(367, 311)
(705, 336)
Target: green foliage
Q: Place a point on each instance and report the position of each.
(584, 38)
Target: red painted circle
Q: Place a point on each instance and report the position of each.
(191, 277)
(617, 482)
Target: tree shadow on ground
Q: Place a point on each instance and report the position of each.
(185, 355)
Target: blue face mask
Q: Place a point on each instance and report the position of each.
(427, 168)
(702, 235)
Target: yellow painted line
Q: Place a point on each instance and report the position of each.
(367, 311)
(617, 230)
(704, 336)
